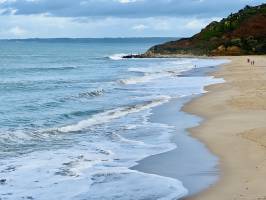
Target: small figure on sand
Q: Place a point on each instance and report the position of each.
(248, 60)
(252, 62)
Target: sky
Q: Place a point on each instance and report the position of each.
(111, 18)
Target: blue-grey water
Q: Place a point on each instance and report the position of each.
(74, 117)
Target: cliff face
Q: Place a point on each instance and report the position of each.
(242, 33)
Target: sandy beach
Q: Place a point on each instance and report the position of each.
(234, 129)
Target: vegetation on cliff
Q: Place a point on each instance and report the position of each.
(241, 33)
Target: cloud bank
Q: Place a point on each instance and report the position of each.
(123, 8)
(104, 18)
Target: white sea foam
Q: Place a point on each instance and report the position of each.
(175, 66)
(131, 126)
(162, 188)
(69, 175)
(111, 114)
(158, 71)
(141, 79)
(94, 169)
(118, 56)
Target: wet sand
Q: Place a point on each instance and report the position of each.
(191, 162)
(234, 129)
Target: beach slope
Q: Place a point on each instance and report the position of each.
(235, 129)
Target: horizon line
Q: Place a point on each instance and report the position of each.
(76, 38)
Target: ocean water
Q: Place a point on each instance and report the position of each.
(74, 118)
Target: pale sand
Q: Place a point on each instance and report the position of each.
(235, 129)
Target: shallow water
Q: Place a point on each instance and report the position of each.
(191, 162)
(74, 118)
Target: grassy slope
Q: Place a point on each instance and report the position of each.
(239, 34)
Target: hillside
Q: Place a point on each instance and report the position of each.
(241, 33)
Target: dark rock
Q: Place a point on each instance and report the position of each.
(2, 181)
(134, 56)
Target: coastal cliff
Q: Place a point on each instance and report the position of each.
(242, 33)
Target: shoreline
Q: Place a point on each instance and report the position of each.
(191, 162)
(234, 129)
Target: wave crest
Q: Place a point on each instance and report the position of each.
(110, 115)
(156, 72)
(118, 56)
(141, 79)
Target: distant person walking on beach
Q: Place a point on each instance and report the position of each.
(248, 60)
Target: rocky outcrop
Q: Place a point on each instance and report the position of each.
(242, 33)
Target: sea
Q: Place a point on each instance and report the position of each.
(74, 118)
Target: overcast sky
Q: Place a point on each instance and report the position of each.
(111, 18)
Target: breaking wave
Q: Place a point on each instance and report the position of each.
(118, 56)
(110, 115)
(141, 79)
(152, 73)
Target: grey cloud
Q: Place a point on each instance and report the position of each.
(135, 9)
